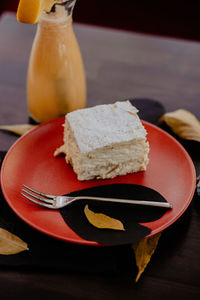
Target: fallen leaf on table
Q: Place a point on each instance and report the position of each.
(100, 220)
(144, 250)
(18, 129)
(183, 123)
(10, 243)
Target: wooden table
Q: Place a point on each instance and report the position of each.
(118, 65)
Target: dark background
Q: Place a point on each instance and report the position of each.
(177, 19)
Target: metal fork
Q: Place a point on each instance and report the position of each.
(56, 202)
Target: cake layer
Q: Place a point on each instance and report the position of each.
(112, 161)
(105, 141)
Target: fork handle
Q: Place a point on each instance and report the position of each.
(139, 202)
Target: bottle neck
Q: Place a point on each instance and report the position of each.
(67, 5)
(60, 11)
(59, 17)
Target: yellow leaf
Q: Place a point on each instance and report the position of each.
(183, 123)
(10, 243)
(18, 129)
(144, 250)
(102, 221)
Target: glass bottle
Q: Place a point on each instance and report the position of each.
(56, 81)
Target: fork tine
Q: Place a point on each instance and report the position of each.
(37, 197)
(37, 202)
(39, 193)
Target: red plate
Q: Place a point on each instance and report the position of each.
(30, 161)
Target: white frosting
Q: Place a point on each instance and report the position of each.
(104, 125)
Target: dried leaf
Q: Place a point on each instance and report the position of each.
(183, 123)
(10, 243)
(102, 221)
(144, 250)
(18, 129)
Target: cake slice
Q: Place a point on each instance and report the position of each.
(105, 141)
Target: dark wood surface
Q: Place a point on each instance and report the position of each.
(170, 18)
(118, 65)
